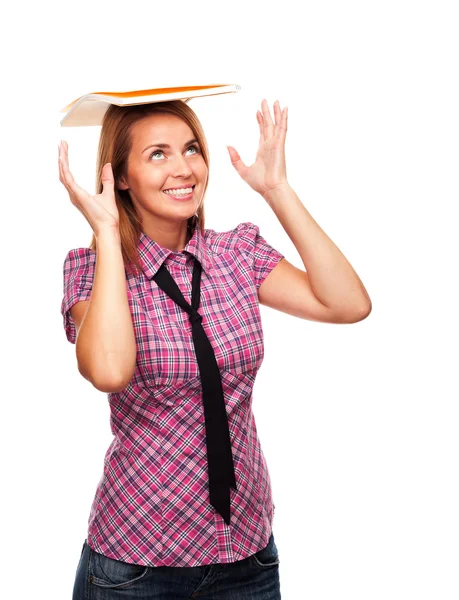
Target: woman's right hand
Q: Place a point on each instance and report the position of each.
(100, 210)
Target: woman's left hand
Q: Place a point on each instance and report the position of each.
(269, 169)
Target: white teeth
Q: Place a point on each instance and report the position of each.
(181, 192)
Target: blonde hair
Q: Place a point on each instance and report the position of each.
(115, 144)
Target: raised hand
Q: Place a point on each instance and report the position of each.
(269, 169)
(100, 210)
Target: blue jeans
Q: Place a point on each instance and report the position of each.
(253, 578)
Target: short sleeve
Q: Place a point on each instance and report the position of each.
(79, 268)
(261, 255)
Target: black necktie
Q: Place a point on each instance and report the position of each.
(219, 455)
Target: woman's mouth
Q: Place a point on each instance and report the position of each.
(181, 195)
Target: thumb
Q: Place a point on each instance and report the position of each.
(236, 161)
(107, 179)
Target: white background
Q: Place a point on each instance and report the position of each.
(358, 422)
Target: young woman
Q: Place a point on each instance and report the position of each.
(184, 506)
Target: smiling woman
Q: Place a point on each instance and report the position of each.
(163, 361)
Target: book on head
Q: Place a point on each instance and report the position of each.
(90, 109)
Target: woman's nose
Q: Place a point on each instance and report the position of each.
(180, 166)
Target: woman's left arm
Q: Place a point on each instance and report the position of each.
(329, 290)
(330, 278)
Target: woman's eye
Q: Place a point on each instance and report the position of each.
(161, 152)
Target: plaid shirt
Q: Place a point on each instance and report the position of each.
(151, 506)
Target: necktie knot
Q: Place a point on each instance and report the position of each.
(195, 317)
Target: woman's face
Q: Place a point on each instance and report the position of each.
(153, 169)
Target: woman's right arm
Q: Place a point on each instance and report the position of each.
(105, 344)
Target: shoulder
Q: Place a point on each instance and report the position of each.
(242, 237)
(79, 262)
(79, 257)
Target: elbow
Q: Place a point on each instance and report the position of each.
(110, 386)
(355, 315)
(363, 312)
(105, 378)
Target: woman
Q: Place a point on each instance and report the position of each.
(155, 530)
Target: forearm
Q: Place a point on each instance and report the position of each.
(334, 281)
(106, 346)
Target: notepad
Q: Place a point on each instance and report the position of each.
(89, 110)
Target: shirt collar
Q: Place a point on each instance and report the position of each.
(152, 255)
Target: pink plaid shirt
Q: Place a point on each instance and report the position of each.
(151, 506)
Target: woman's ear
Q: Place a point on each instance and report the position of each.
(122, 185)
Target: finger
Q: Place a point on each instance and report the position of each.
(108, 183)
(267, 120)
(276, 120)
(67, 178)
(260, 125)
(237, 161)
(276, 108)
(61, 160)
(60, 163)
(281, 122)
